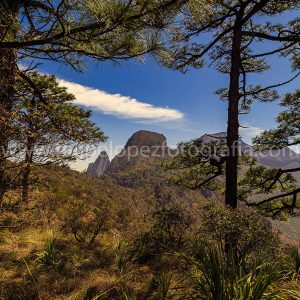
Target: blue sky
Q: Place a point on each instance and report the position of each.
(188, 100)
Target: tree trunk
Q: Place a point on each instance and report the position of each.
(30, 147)
(27, 170)
(8, 68)
(233, 120)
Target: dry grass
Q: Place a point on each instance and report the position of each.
(40, 258)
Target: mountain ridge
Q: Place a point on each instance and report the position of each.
(277, 158)
(152, 144)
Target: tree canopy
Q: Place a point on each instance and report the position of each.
(227, 37)
(287, 132)
(54, 130)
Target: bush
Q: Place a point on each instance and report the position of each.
(168, 233)
(216, 275)
(249, 235)
(84, 221)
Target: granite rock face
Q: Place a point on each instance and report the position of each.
(144, 138)
(141, 148)
(98, 168)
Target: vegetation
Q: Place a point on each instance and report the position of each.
(67, 32)
(134, 234)
(287, 134)
(52, 131)
(234, 31)
(122, 261)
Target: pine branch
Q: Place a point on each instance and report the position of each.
(292, 193)
(291, 38)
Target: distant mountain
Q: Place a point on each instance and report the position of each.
(135, 178)
(142, 148)
(283, 158)
(144, 138)
(98, 168)
(138, 168)
(143, 145)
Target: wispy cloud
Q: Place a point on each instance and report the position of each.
(250, 132)
(120, 106)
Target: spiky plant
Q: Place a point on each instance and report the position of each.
(218, 276)
(48, 256)
(164, 287)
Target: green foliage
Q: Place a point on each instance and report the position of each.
(68, 31)
(53, 129)
(250, 237)
(83, 220)
(172, 222)
(198, 164)
(288, 130)
(114, 269)
(167, 233)
(235, 28)
(217, 276)
(261, 180)
(49, 256)
(277, 181)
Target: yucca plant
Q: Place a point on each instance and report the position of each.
(123, 275)
(260, 283)
(123, 257)
(164, 287)
(217, 276)
(48, 256)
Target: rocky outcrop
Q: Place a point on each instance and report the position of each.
(144, 138)
(98, 168)
(141, 149)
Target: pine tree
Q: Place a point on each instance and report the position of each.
(279, 183)
(68, 32)
(52, 133)
(233, 30)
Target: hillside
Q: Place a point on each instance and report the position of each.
(82, 237)
(41, 257)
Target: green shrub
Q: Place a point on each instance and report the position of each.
(249, 235)
(84, 221)
(167, 233)
(215, 275)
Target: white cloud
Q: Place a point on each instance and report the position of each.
(118, 105)
(249, 133)
(296, 148)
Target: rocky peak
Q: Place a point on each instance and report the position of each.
(141, 148)
(98, 168)
(146, 138)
